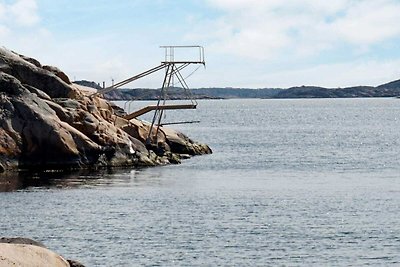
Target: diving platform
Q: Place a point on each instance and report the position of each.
(147, 109)
(176, 59)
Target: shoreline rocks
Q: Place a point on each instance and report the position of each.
(46, 122)
(27, 252)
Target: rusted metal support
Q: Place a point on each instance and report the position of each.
(147, 109)
(129, 80)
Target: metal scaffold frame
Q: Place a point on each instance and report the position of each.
(173, 66)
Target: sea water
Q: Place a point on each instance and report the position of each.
(309, 182)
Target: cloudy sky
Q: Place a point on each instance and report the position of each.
(249, 43)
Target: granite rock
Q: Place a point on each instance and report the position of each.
(25, 252)
(48, 123)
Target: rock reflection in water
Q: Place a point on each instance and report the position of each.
(23, 180)
(81, 179)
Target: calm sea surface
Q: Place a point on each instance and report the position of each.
(291, 182)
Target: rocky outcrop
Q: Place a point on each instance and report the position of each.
(48, 123)
(27, 252)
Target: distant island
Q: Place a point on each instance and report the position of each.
(391, 89)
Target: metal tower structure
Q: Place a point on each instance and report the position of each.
(174, 65)
(174, 62)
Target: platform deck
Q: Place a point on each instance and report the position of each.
(147, 109)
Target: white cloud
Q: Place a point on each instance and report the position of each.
(344, 74)
(20, 29)
(258, 75)
(369, 22)
(247, 42)
(3, 29)
(334, 75)
(259, 29)
(2, 11)
(24, 12)
(20, 13)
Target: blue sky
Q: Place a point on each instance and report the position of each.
(249, 43)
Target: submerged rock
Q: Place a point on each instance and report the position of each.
(48, 123)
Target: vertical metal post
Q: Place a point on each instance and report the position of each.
(156, 112)
(164, 93)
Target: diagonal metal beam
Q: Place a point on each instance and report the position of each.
(131, 79)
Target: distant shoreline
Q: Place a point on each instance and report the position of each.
(391, 89)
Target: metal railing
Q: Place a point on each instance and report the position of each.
(171, 52)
